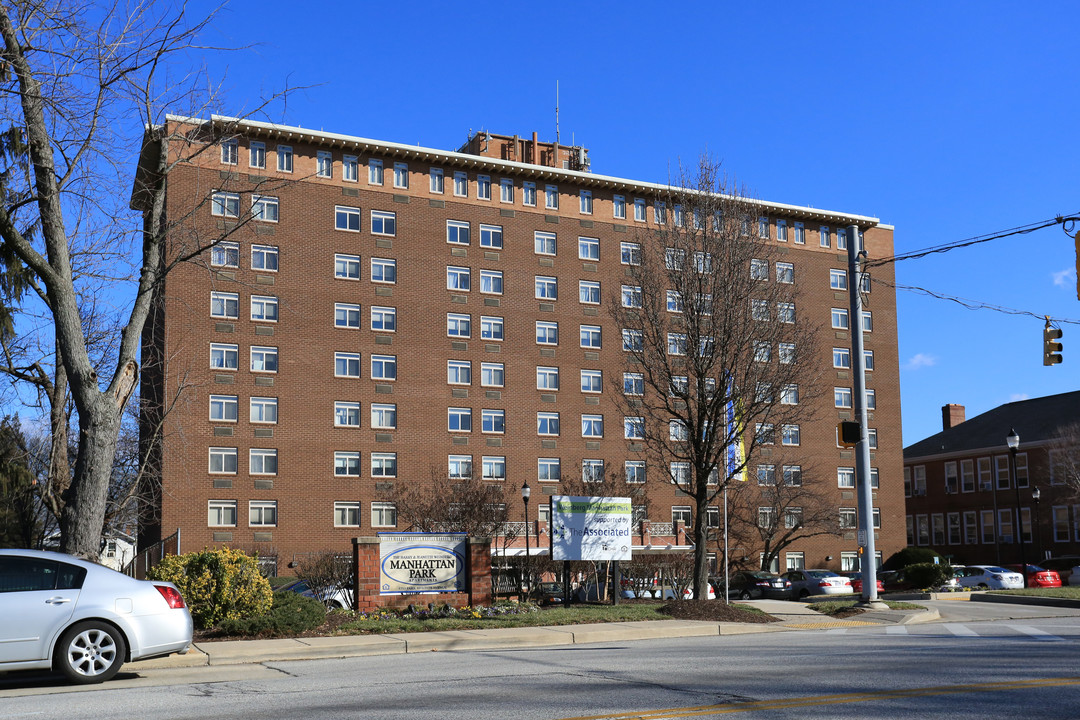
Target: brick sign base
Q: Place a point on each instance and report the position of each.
(366, 558)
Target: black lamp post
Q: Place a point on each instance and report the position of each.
(1036, 495)
(526, 491)
(1013, 441)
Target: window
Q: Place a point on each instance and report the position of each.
(674, 259)
(458, 278)
(384, 416)
(639, 209)
(800, 234)
(677, 431)
(347, 315)
(491, 282)
(845, 477)
(793, 517)
(436, 180)
(347, 218)
(585, 198)
(848, 519)
(347, 365)
(324, 164)
(868, 359)
(871, 435)
(457, 232)
(676, 343)
(264, 359)
(630, 253)
(265, 309)
(491, 328)
(384, 367)
(544, 243)
(789, 394)
(680, 514)
(492, 375)
(384, 514)
(224, 305)
(765, 433)
(350, 168)
(762, 351)
(759, 310)
(634, 428)
(592, 381)
(631, 296)
(223, 204)
(823, 236)
(792, 475)
(679, 386)
(383, 222)
(632, 340)
(491, 236)
(547, 378)
(458, 325)
(483, 187)
(221, 513)
(458, 372)
(842, 397)
(618, 207)
(766, 475)
(838, 279)
(459, 466)
(871, 400)
(589, 292)
(547, 333)
(383, 270)
(461, 183)
(401, 175)
(841, 358)
(528, 194)
(494, 467)
(257, 154)
(592, 470)
(785, 312)
(346, 414)
(383, 464)
(346, 514)
(548, 469)
(590, 336)
(839, 319)
(634, 383)
(763, 228)
(284, 158)
(867, 321)
(264, 257)
(703, 262)
(264, 410)
(635, 471)
(347, 267)
(223, 460)
(223, 357)
(547, 423)
(223, 408)
(375, 172)
(679, 472)
(551, 197)
(588, 248)
(229, 151)
(546, 288)
(790, 434)
(674, 301)
(493, 421)
(785, 273)
(262, 513)
(506, 190)
(459, 419)
(841, 239)
(383, 319)
(759, 269)
(659, 213)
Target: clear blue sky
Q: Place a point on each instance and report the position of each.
(945, 120)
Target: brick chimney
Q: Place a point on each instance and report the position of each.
(951, 416)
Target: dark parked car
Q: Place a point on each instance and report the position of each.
(1063, 566)
(754, 584)
(547, 593)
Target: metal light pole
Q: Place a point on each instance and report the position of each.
(1036, 530)
(526, 491)
(1014, 442)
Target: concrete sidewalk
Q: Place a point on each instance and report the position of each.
(792, 616)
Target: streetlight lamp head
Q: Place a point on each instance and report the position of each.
(526, 491)
(1013, 440)
(1036, 494)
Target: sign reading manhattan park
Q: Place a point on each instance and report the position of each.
(582, 528)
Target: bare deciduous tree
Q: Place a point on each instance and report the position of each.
(1065, 457)
(715, 351)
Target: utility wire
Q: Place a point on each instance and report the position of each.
(974, 304)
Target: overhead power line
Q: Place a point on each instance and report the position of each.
(975, 304)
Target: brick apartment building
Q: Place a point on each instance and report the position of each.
(958, 481)
(391, 311)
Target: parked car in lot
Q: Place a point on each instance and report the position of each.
(1037, 576)
(1066, 567)
(755, 584)
(82, 619)
(855, 577)
(988, 577)
(816, 582)
(336, 599)
(897, 581)
(547, 593)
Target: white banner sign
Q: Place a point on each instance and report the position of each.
(421, 563)
(591, 528)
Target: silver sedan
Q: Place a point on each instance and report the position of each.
(83, 619)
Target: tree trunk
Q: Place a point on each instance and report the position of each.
(84, 501)
(701, 539)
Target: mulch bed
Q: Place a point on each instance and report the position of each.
(714, 611)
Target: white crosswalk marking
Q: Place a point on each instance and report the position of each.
(960, 630)
(1035, 633)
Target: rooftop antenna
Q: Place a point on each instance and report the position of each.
(556, 112)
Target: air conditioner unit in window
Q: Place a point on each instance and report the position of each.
(920, 491)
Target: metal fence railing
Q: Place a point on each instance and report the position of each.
(152, 555)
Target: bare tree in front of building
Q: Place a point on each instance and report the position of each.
(718, 361)
(1065, 458)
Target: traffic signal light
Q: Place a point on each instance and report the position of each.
(1051, 348)
(849, 433)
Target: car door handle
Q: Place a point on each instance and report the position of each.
(57, 601)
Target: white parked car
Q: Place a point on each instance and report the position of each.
(988, 577)
(817, 582)
(82, 619)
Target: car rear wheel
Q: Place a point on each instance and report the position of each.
(803, 594)
(744, 595)
(91, 652)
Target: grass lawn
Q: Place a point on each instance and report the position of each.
(1070, 592)
(831, 607)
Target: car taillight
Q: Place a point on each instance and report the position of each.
(171, 595)
(823, 583)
